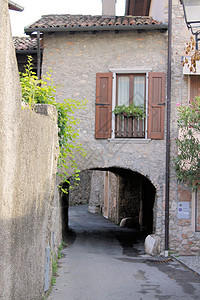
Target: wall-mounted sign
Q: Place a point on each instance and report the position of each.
(183, 210)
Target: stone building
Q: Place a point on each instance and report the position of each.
(114, 60)
(24, 47)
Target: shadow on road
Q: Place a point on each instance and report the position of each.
(85, 225)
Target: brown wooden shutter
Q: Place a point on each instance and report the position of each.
(103, 105)
(138, 7)
(194, 86)
(156, 106)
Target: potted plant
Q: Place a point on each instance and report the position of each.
(136, 111)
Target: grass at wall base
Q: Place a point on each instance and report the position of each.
(43, 91)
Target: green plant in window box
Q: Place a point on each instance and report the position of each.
(136, 111)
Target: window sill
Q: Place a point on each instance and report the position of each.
(129, 141)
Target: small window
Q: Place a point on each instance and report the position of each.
(130, 90)
(124, 89)
(197, 209)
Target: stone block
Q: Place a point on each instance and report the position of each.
(94, 209)
(128, 222)
(152, 245)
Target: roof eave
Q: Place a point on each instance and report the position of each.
(14, 6)
(162, 27)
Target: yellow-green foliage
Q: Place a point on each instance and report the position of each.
(43, 90)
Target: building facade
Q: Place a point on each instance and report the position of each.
(110, 61)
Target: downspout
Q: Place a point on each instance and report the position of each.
(167, 177)
(182, 58)
(38, 55)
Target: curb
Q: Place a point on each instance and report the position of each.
(185, 264)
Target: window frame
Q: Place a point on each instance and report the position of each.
(131, 86)
(114, 96)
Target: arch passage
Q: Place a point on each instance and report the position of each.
(136, 200)
(118, 194)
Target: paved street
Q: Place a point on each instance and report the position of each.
(105, 262)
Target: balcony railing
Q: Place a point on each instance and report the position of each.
(129, 127)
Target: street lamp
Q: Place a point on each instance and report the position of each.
(192, 17)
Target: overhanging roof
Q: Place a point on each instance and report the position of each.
(56, 23)
(14, 6)
(26, 44)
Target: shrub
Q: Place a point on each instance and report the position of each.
(187, 161)
(43, 90)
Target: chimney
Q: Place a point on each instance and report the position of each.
(108, 7)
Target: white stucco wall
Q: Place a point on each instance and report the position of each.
(28, 164)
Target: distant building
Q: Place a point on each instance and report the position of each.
(25, 46)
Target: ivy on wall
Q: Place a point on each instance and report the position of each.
(43, 90)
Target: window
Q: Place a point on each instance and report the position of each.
(130, 88)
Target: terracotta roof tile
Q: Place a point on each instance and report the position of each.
(81, 22)
(132, 22)
(25, 43)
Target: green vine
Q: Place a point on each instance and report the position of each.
(187, 161)
(131, 110)
(43, 90)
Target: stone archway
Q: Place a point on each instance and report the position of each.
(118, 193)
(136, 201)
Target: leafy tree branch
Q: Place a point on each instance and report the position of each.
(187, 161)
(43, 90)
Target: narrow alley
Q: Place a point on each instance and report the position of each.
(106, 262)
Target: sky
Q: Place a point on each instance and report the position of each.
(34, 9)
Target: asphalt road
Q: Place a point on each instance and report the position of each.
(105, 262)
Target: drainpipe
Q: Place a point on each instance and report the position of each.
(167, 179)
(38, 54)
(182, 58)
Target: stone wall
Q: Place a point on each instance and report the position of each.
(113, 213)
(96, 201)
(130, 196)
(183, 238)
(92, 191)
(80, 194)
(28, 160)
(75, 60)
